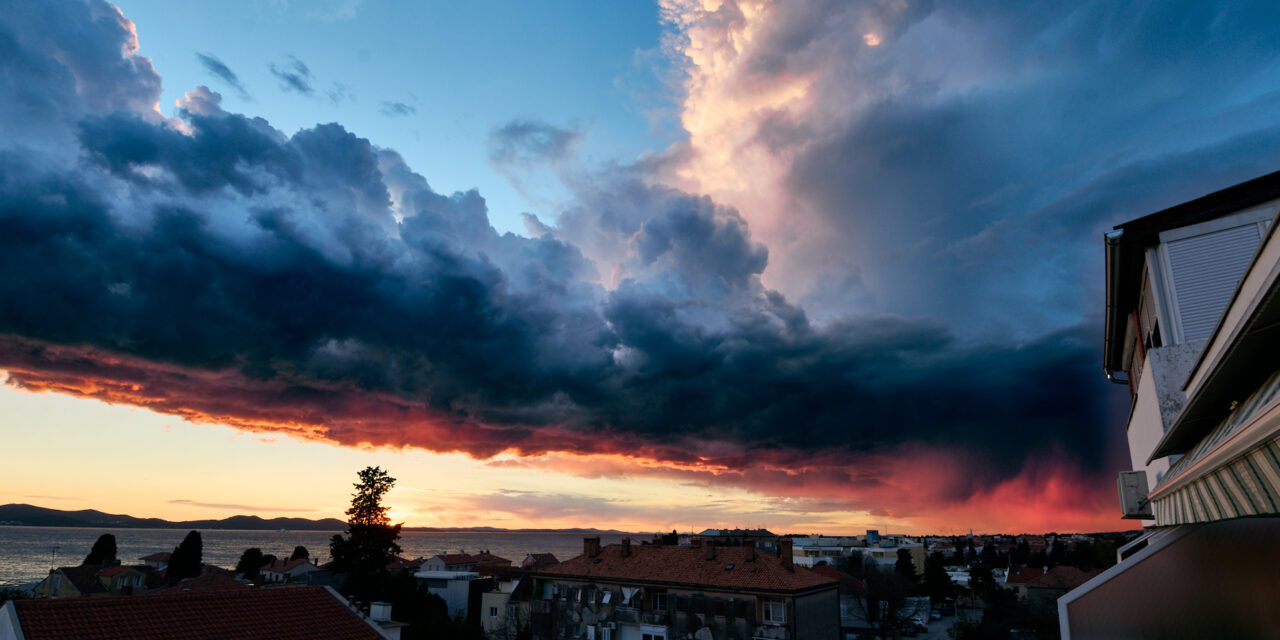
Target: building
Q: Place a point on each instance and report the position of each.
(1018, 577)
(1192, 330)
(538, 561)
(94, 580)
(282, 613)
(284, 570)
(667, 592)
(451, 562)
(498, 620)
(158, 560)
(454, 587)
(763, 539)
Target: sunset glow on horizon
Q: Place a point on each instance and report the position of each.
(656, 267)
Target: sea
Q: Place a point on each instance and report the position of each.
(27, 553)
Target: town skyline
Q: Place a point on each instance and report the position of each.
(806, 268)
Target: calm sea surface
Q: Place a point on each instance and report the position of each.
(27, 553)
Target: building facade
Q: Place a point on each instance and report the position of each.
(703, 591)
(1193, 332)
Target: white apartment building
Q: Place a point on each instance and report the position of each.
(1193, 331)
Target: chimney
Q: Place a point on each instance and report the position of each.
(591, 546)
(710, 546)
(626, 547)
(380, 611)
(751, 550)
(784, 553)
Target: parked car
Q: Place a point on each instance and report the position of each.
(935, 615)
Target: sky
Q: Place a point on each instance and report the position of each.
(819, 266)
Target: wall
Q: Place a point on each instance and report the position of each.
(817, 616)
(1215, 580)
(1146, 427)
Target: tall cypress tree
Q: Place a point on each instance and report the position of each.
(103, 552)
(186, 559)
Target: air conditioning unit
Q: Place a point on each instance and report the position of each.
(1133, 495)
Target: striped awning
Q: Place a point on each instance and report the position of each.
(1245, 485)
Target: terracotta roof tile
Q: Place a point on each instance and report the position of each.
(287, 613)
(689, 566)
(160, 556)
(1019, 575)
(848, 583)
(540, 560)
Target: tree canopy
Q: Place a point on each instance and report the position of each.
(103, 552)
(186, 559)
(251, 562)
(370, 543)
(299, 553)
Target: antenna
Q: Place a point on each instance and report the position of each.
(53, 561)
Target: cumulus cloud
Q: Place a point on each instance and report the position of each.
(944, 171)
(220, 70)
(313, 284)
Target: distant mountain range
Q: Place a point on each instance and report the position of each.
(33, 516)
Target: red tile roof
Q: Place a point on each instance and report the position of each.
(540, 560)
(848, 583)
(1062, 577)
(286, 613)
(207, 582)
(1019, 575)
(458, 558)
(107, 573)
(689, 566)
(160, 556)
(490, 558)
(84, 578)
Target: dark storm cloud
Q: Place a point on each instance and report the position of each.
(397, 109)
(218, 269)
(294, 76)
(219, 69)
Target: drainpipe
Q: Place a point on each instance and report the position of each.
(1113, 334)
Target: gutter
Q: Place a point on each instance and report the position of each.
(1112, 331)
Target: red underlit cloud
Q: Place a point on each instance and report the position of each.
(922, 489)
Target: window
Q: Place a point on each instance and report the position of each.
(658, 602)
(653, 636)
(493, 612)
(773, 611)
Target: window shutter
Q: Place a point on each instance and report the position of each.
(1205, 271)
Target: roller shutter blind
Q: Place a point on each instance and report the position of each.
(1205, 270)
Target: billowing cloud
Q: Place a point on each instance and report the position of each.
(964, 165)
(213, 267)
(220, 70)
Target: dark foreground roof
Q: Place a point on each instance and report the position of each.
(689, 566)
(286, 613)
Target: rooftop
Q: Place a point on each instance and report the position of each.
(730, 568)
(285, 613)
